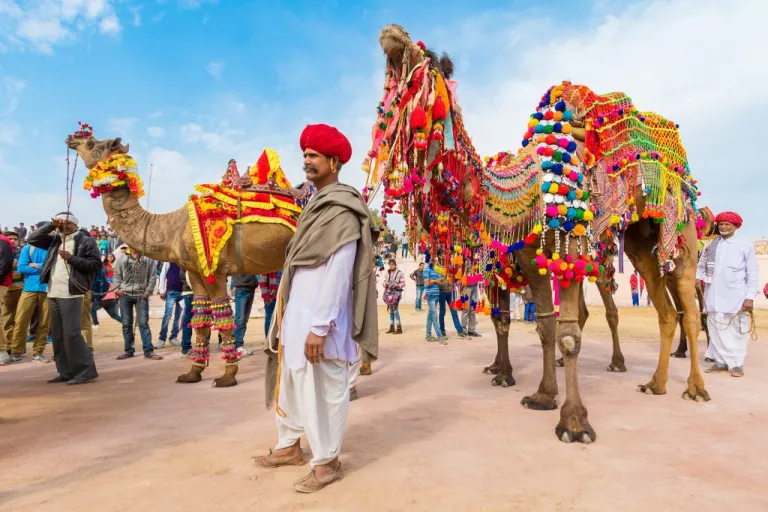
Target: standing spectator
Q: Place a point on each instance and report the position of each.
(103, 245)
(71, 262)
(728, 269)
(268, 284)
(394, 284)
(186, 330)
(529, 315)
(404, 244)
(22, 233)
(171, 287)
(33, 296)
(446, 298)
(432, 281)
(9, 304)
(469, 316)
(393, 246)
(135, 278)
(516, 305)
(245, 291)
(634, 284)
(109, 267)
(418, 276)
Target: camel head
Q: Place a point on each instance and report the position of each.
(91, 150)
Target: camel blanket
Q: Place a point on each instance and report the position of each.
(214, 214)
(341, 211)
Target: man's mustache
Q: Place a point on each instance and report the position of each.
(309, 166)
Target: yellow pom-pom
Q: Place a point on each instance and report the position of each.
(519, 279)
(615, 219)
(635, 217)
(588, 215)
(539, 251)
(537, 229)
(567, 128)
(555, 256)
(592, 279)
(542, 271)
(533, 122)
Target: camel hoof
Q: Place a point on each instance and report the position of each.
(503, 380)
(679, 355)
(559, 363)
(617, 367)
(224, 382)
(648, 389)
(539, 402)
(586, 436)
(699, 395)
(190, 377)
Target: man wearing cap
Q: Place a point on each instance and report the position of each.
(72, 262)
(326, 306)
(729, 272)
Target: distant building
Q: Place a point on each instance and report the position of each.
(761, 246)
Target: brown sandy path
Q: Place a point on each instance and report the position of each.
(429, 433)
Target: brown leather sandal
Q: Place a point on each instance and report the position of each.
(267, 462)
(312, 483)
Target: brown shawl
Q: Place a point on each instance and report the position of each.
(336, 216)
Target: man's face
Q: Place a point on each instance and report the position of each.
(392, 265)
(14, 239)
(316, 166)
(726, 228)
(421, 266)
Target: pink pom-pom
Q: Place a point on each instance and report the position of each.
(552, 211)
(573, 176)
(540, 150)
(541, 261)
(563, 143)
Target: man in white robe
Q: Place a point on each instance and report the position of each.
(729, 271)
(328, 295)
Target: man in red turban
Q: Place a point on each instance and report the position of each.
(729, 272)
(326, 315)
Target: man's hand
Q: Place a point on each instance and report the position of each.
(162, 296)
(33, 265)
(147, 295)
(748, 306)
(119, 293)
(57, 223)
(65, 255)
(314, 348)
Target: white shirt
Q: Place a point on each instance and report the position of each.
(58, 282)
(321, 302)
(735, 278)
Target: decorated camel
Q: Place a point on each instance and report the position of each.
(241, 226)
(592, 171)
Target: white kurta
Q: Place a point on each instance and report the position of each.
(735, 279)
(315, 398)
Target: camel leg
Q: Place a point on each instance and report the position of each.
(503, 374)
(494, 368)
(583, 316)
(645, 262)
(541, 287)
(573, 425)
(682, 347)
(612, 317)
(201, 323)
(692, 322)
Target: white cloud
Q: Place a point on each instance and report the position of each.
(136, 11)
(110, 25)
(156, 114)
(156, 131)
(42, 24)
(121, 126)
(10, 92)
(215, 69)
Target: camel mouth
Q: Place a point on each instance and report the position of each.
(394, 40)
(71, 142)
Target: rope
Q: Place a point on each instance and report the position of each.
(751, 329)
(279, 323)
(545, 315)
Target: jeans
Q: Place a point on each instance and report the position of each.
(172, 309)
(635, 299)
(445, 300)
(530, 312)
(127, 303)
(243, 305)
(269, 310)
(110, 306)
(186, 330)
(432, 316)
(394, 316)
(405, 250)
(419, 295)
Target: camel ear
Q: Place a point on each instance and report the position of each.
(115, 144)
(127, 147)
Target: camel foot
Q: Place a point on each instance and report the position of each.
(559, 363)
(492, 370)
(228, 379)
(503, 379)
(697, 393)
(365, 368)
(539, 402)
(575, 428)
(679, 355)
(617, 366)
(652, 388)
(192, 376)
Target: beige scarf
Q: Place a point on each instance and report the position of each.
(335, 216)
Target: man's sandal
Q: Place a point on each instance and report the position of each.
(267, 462)
(312, 483)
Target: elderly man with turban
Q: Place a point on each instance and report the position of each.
(72, 262)
(326, 308)
(729, 272)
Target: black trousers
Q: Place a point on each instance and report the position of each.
(70, 352)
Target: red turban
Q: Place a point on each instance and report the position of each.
(327, 141)
(732, 217)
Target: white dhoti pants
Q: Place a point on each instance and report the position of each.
(315, 400)
(354, 368)
(728, 346)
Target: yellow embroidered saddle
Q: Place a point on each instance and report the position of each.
(218, 208)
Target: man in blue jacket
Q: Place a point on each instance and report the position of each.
(33, 295)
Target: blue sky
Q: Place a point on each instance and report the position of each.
(192, 83)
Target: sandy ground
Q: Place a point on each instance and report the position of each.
(429, 433)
